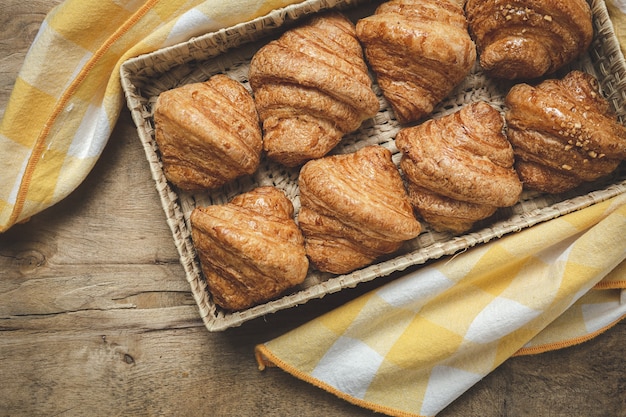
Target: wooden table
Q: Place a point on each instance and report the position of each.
(96, 317)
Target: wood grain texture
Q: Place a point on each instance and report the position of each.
(96, 317)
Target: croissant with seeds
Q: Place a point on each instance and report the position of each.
(524, 39)
(563, 132)
(311, 87)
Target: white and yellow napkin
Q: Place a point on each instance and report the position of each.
(416, 344)
(407, 349)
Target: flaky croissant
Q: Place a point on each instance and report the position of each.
(354, 209)
(459, 168)
(563, 132)
(311, 87)
(250, 249)
(523, 39)
(208, 133)
(419, 50)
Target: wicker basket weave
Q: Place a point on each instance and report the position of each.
(229, 51)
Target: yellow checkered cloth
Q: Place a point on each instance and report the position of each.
(406, 349)
(68, 96)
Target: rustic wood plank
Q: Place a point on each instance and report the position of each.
(145, 374)
(93, 287)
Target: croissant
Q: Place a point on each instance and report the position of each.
(459, 168)
(208, 133)
(419, 50)
(563, 132)
(250, 249)
(523, 39)
(311, 87)
(354, 209)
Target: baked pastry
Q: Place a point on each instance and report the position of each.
(459, 168)
(208, 133)
(354, 209)
(563, 132)
(419, 50)
(523, 39)
(250, 249)
(311, 87)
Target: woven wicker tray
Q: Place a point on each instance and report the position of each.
(229, 51)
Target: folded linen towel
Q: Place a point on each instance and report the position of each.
(417, 343)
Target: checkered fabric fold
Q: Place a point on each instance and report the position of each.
(416, 344)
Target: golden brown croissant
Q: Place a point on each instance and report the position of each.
(520, 39)
(311, 87)
(459, 167)
(208, 133)
(354, 209)
(250, 249)
(563, 132)
(419, 50)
